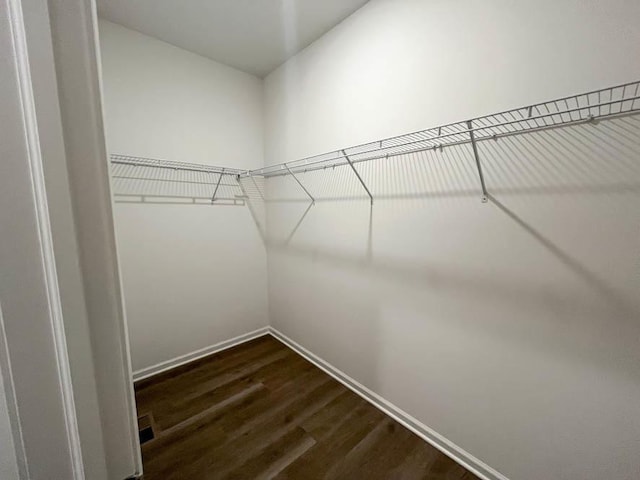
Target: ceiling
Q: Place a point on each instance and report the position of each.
(255, 36)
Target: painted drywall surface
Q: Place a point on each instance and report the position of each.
(75, 46)
(28, 352)
(511, 327)
(64, 234)
(193, 275)
(397, 67)
(8, 463)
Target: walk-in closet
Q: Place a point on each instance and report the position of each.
(323, 239)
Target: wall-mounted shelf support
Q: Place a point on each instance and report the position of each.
(213, 198)
(357, 175)
(579, 109)
(485, 195)
(313, 200)
(594, 106)
(150, 180)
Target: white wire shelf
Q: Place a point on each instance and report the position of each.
(580, 108)
(575, 109)
(149, 180)
(118, 159)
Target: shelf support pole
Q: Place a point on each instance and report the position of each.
(247, 202)
(313, 200)
(485, 195)
(213, 199)
(357, 175)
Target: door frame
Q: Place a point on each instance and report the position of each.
(60, 39)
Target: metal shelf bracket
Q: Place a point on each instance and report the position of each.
(357, 175)
(313, 200)
(213, 198)
(485, 195)
(578, 109)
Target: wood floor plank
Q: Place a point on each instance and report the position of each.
(255, 347)
(169, 386)
(260, 411)
(353, 458)
(272, 458)
(169, 415)
(380, 454)
(247, 442)
(327, 420)
(330, 450)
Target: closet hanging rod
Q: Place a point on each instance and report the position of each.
(575, 109)
(119, 159)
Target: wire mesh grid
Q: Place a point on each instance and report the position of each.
(586, 107)
(139, 178)
(144, 180)
(118, 159)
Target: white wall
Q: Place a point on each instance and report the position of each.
(9, 425)
(64, 234)
(32, 350)
(193, 275)
(8, 463)
(511, 327)
(77, 62)
(66, 380)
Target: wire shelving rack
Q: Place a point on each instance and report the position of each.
(148, 180)
(576, 109)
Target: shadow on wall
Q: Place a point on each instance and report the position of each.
(253, 189)
(561, 228)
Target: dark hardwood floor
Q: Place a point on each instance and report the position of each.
(261, 411)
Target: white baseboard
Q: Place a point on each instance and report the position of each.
(203, 352)
(462, 457)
